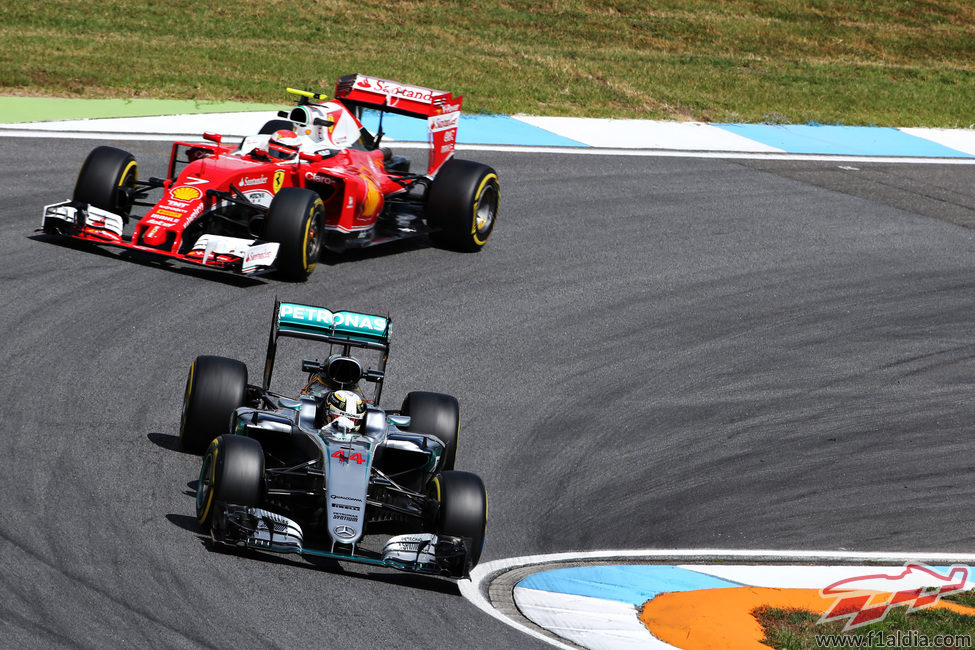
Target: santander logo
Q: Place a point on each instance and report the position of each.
(395, 90)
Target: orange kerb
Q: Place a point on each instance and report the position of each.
(704, 619)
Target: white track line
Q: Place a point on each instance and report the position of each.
(15, 132)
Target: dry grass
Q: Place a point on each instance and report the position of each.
(833, 61)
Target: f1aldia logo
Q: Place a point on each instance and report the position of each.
(869, 598)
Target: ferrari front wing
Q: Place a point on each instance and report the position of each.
(89, 223)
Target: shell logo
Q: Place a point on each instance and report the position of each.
(186, 193)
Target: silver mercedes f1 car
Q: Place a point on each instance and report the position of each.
(276, 476)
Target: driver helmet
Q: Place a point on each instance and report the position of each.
(346, 410)
(283, 145)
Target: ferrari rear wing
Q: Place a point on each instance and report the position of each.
(440, 108)
(345, 328)
(371, 92)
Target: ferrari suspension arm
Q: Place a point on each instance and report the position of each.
(141, 189)
(236, 196)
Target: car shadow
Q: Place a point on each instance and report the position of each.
(396, 247)
(333, 566)
(326, 258)
(152, 261)
(167, 441)
(186, 522)
(327, 565)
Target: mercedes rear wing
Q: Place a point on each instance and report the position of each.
(440, 108)
(346, 328)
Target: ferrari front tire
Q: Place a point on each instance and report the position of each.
(232, 472)
(462, 204)
(107, 180)
(437, 414)
(296, 220)
(463, 509)
(215, 387)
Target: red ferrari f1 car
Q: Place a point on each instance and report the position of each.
(313, 180)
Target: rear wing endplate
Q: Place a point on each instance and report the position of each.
(440, 108)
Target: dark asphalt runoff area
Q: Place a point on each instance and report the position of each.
(650, 353)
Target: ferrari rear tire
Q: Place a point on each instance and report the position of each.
(107, 179)
(462, 204)
(437, 414)
(215, 387)
(232, 472)
(463, 509)
(296, 220)
(276, 125)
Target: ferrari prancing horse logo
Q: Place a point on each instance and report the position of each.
(278, 181)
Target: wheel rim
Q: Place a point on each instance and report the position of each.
(313, 242)
(126, 186)
(487, 209)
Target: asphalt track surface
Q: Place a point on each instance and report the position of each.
(650, 353)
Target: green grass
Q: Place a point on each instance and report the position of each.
(966, 598)
(797, 629)
(831, 61)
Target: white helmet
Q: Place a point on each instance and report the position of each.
(346, 409)
(283, 144)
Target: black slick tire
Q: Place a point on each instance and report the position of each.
(106, 180)
(296, 220)
(215, 387)
(463, 508)
(436, 414)
(462, 204)
(232, 472)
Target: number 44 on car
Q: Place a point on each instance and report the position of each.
(328, 472)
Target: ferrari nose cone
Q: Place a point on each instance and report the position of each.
(154, 236)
